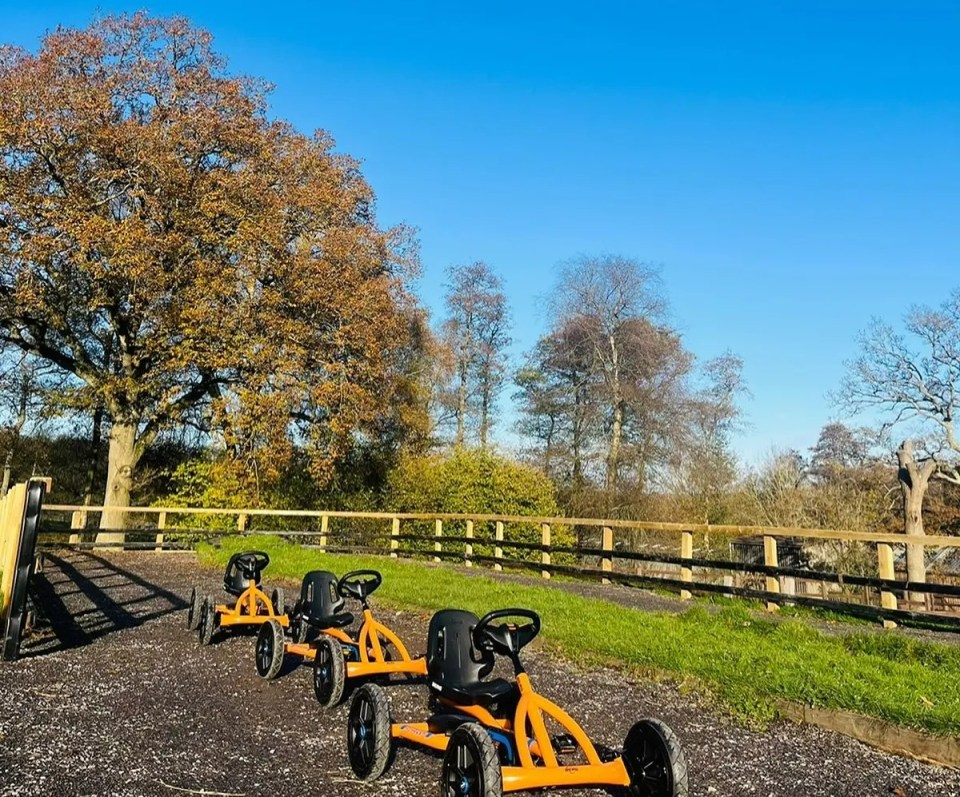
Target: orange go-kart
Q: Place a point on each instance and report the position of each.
(241, 579)
(493, 734)
(338, 656)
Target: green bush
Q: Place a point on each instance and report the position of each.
(473, 481)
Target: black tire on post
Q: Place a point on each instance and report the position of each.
(368, 733)
(329, 672)
(269, 650)
(471, 767)
(655, 761)
(208, 620)
(194, 609)
(276, 599)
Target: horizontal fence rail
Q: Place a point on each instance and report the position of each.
(685, 558)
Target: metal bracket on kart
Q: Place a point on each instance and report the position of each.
(494, 734)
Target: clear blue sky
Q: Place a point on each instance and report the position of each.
(794, 167)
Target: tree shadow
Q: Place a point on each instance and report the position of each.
(81, 597)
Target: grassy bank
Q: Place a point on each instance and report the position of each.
(745, 662)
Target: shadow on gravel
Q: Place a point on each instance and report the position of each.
(82, 597)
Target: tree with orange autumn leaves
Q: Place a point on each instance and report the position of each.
(184, 258)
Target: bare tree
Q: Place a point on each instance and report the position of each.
(476, 331)
(617, 301)
(557, 396)
(913, 377)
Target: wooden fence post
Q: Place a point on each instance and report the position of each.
(888, 600)
(497, 550)
(395, 537)
(606, 544)
(686, 552)
(468, 549)
(438, 533)
(324, 531)
(161, 525)
(545, 555)
(76, 523)
(242, 523)
(770, 559)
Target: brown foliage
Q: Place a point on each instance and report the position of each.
(169, 245)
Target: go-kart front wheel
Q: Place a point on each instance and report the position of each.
(368, 732)
(654, 759)
(269, 650)
(471, 767)
(329, 672)
(194, 609)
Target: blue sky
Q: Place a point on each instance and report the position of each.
(793, 167)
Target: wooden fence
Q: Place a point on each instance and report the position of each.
(685, 558)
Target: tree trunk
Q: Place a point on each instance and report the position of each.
(462, 403)
(96, 437)
(484, 414)
(914, 479)
(121, 461)
(613, 457)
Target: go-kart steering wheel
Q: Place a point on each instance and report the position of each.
(251, 562)
(507, 638)
(359, 584)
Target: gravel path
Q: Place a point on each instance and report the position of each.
(121, 700)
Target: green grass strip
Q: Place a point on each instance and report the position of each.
(745, 662)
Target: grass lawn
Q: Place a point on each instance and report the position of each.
(744, 661)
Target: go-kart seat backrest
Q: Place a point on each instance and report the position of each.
(235, 580)
(452, 660)
(319, 598)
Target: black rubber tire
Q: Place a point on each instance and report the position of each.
(471, 767)
(369, 743)
(298, 626)
(329, 672)
(654, 758)
(269, 650)
(208, 621)
(276, 599)
(194, 609)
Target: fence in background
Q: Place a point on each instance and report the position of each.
(845, 571)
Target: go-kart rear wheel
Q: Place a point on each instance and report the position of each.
(329, 672)
(208, 620)
(368, 732)
(194, 609)
(471, 767)
(654, 759)
(298, 626)
(269, 650)
(276, 598)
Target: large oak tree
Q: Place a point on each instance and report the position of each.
(185, 257)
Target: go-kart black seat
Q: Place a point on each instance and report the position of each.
(456, 667)
(320, 604)
(241, 570)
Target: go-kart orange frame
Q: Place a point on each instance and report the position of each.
(652, 761)
(252, 606)
(370, 645)
(529, 715)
